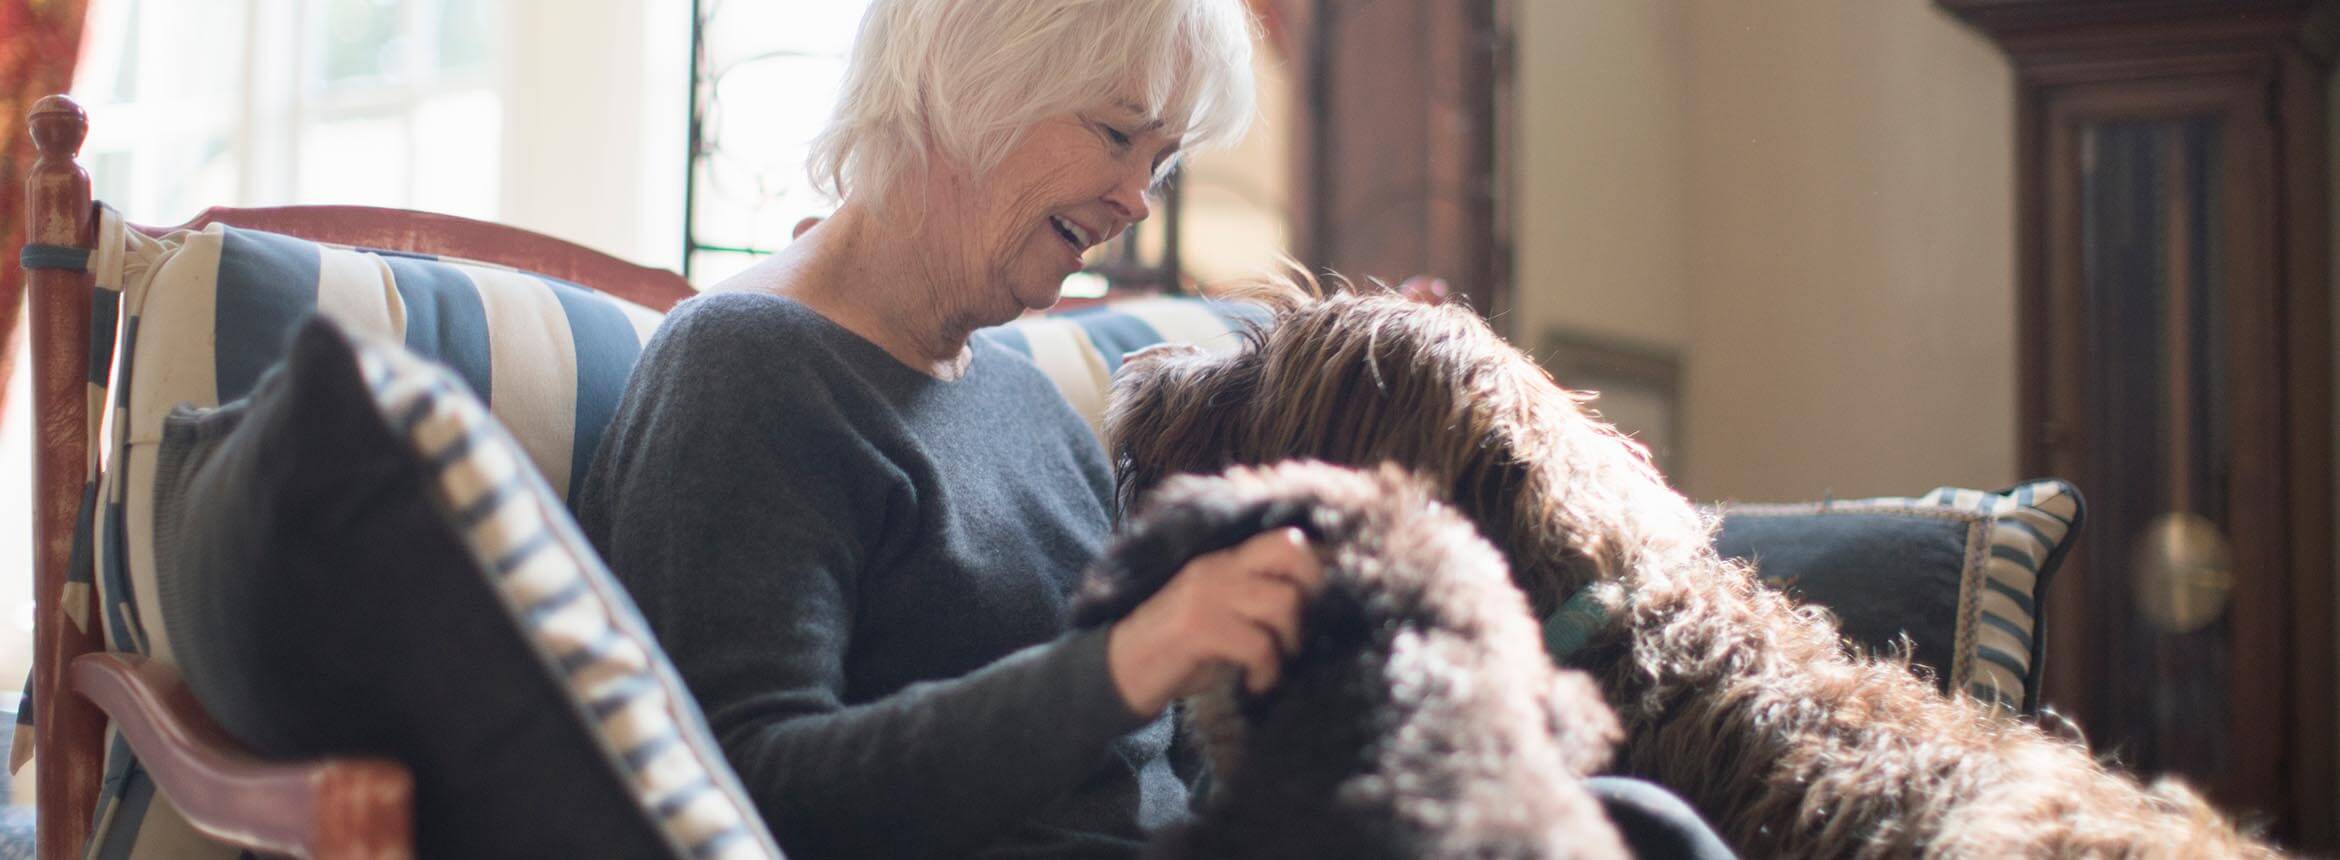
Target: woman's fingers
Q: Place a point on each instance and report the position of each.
(1268, 580)
(1252, 649)
(1273, 605)
(1280, 554)
(1263, 581)
(1235, 609)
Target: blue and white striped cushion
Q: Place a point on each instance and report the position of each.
(577, 619)
(1081, 350)
(550, 358)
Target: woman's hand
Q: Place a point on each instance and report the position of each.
(1237, 609)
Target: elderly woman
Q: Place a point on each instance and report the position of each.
(855, 526)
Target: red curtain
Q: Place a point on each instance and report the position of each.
(38, 42)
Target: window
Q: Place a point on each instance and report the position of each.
(197, 103)
(397, 105)
(766, 76)
(366, 102)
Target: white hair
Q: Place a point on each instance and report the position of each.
(966, 78)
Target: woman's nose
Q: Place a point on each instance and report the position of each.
(1132, 199)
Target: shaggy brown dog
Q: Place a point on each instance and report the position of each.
(1732, 695)
(1419, 717)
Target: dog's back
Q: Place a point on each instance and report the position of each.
(1420, 717)
(1738, 699)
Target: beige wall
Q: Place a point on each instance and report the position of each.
(1852, 251)
(1813, 199)
(1603, 205)
(1236, 198)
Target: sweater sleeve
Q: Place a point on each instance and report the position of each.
(740, 507)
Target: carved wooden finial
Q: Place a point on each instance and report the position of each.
(58, 127)
(57, 189)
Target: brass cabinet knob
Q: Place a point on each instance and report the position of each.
(2183, 572)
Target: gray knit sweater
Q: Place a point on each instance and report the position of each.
(862, 573)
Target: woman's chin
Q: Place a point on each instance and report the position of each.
(1038, 294)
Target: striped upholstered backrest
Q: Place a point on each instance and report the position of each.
(549, 357)
(208, 312)
(216, 308)
(1081, 350)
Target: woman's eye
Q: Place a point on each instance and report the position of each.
(1115, 135)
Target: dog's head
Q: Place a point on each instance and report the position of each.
(1366, 378)
(1405, 578)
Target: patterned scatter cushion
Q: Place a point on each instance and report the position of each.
(1961, 572)
(359, 560)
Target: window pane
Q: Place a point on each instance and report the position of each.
(359, 162)
(709, 268)
(201, 175)
(125, 83)
(109, 179)
(184, 49)
(759, 127)
(467, 32)
(457, 144)
(164, 83)
(768, 76)
(739, 29)
(725, 212)
(360, 40)
(1236, 202)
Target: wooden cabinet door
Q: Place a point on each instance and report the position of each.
(2163, 391)
(2174, 300)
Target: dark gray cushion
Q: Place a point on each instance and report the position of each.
(357, 561)
(1960, 572)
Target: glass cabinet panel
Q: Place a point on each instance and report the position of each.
(2155, 297)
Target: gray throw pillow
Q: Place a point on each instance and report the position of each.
(357, 560)
(1962, 573)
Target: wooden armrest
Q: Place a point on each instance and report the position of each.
(334, 807)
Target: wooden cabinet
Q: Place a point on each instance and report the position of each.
(2175, 314)
(1400, 160)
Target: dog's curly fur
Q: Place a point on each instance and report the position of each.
(1419, 716)
(1732, 695)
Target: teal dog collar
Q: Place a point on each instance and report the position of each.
(1573, 624)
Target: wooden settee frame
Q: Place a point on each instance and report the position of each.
(323, 808)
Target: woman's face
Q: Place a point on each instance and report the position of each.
(1071, 182)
